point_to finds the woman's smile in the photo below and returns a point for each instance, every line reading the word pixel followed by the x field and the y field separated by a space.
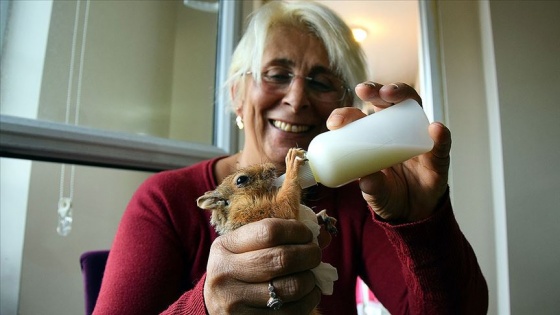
pixel 288 127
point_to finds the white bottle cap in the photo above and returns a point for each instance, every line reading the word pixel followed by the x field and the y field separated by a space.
pixel 306 178
pixel 279 180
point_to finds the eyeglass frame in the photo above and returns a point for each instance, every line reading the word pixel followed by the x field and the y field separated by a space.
pixel 345 89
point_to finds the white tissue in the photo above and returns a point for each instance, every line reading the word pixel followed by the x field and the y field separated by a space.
pixel 325 274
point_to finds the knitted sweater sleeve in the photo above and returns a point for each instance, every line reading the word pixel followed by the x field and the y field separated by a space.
pixel 190 303
pixel 158 258
pixel 438 264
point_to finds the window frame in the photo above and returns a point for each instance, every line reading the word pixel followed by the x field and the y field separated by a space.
pixel 33 139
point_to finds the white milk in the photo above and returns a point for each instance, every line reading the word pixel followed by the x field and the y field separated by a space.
pixel 367 145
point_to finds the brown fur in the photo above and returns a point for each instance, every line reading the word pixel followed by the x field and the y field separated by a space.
pixel 250 195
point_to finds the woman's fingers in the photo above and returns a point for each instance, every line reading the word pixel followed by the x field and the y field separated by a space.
pixel 261 265
pixel 442 140
pixel 382 96
pixel 303 305
pixel 263 250
pixel 370 92
pixel 343 116
pixel 265 234
pixel 289 289
pixel 277 249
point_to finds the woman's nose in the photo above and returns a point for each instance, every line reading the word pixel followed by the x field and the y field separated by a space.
pixel 296 95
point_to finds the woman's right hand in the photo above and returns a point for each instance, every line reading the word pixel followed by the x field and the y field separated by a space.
pixel 408 191
pixel 243 262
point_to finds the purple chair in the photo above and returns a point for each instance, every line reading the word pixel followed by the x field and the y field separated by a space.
pixel 93 267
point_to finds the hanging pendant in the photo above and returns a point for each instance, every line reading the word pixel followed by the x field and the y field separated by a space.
pixel 64 216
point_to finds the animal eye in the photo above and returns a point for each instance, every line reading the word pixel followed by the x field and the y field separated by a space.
pixel 242 180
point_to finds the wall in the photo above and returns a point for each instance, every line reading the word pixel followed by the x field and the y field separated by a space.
pixel 466 117
pixel 501 70
pixel 527 49
pixel 51 280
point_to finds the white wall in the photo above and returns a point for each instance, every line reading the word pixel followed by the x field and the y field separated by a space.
pixel 527 49
pixel 465 115
pixel 502 72
pixel 51 280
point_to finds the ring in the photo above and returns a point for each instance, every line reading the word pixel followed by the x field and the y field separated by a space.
pixel 274 302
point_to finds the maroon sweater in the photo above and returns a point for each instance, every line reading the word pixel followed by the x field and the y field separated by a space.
pixel 158 259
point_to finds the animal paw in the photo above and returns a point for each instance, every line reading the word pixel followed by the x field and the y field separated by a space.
pixel 294 159
pixel 327 221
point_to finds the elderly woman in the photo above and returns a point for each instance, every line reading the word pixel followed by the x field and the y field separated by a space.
pixel 292 78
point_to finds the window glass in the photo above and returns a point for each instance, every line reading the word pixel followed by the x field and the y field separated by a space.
pixel 140 67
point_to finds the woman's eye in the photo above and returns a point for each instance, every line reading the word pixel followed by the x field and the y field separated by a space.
pixel 278 76
pixel 241 180
pixel 321 84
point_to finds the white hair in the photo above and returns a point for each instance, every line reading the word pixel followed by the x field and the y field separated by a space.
pixel 346 57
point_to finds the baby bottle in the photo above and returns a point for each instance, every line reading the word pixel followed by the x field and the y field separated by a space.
pixel 367 145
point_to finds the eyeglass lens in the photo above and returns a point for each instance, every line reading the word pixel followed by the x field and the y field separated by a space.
pixel 321 86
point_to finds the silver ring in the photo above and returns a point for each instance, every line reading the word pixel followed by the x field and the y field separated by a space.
pixel 274 302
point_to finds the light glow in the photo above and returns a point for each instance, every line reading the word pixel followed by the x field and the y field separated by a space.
pixel 360 34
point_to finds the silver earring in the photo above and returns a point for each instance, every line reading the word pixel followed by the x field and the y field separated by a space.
pixel 239 122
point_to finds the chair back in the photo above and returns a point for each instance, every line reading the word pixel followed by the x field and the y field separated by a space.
pixel 93 267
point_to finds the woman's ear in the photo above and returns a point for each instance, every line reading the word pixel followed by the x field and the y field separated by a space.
pixel 233 91
pixel 237 101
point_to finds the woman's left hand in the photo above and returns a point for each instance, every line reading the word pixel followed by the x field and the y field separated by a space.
pixel 408 191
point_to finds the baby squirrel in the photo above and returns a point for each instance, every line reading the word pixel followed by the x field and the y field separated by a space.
pixel 250 194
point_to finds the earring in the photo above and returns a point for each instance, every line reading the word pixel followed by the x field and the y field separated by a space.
pixel 239 122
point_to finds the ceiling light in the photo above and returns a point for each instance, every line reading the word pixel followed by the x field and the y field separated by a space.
pixel 359 33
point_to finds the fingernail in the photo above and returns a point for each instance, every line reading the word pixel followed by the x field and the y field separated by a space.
pixel 335 121
pixel 395 86
pixel 370 84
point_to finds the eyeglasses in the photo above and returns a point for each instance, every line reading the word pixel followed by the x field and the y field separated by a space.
pixel 322 87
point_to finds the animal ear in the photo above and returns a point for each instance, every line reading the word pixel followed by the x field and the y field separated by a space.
pixel 210 200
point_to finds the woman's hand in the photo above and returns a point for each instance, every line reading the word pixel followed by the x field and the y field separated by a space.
pixel 244 261
pixel 411 190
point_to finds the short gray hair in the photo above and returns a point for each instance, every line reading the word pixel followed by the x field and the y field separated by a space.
pixel 346 57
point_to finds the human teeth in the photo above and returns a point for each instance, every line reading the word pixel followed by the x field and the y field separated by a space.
pixel 289 127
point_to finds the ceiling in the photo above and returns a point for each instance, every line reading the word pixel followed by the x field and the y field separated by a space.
pixel 393 31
